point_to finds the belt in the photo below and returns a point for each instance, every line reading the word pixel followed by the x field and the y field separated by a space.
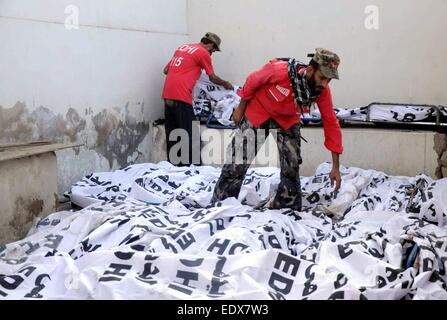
pixel 170 102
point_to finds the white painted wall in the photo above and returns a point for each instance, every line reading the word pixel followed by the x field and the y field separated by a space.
pixel 403 61
pixel 398 153
pixel 114 59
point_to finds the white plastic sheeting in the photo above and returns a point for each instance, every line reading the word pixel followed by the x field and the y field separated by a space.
pixel 393 113
pixel 120 246
pixel 209 98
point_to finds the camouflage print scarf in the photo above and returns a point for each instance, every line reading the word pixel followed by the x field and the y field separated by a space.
pixel 301 91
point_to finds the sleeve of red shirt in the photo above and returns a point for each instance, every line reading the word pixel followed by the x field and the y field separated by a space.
pixel 331 126
pixel 256 80
pixel 205 63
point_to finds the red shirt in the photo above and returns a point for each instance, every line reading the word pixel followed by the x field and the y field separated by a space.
pixel 269 94
pixel 184 70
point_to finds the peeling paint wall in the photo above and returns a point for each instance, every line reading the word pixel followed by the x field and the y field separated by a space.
pixel 22 198
pixel 114 135
pixel 98 85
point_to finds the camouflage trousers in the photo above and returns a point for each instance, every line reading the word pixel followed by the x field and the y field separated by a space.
pixel 288 194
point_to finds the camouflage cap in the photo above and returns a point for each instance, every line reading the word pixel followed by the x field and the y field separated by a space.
pixel 214 38
pixel 328 62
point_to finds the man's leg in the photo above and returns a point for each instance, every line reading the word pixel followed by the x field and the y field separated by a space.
pixel 288 194
pixel 195 151
pixel 170 124
pixel 180 115
pixel 185 118
pixel 241 153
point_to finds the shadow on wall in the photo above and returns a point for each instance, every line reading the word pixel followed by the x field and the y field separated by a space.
pixel 440 148
pixel 113 133
pixel 26 211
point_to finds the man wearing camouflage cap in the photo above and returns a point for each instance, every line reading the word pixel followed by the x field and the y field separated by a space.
pixel 182 73
pixel 273 98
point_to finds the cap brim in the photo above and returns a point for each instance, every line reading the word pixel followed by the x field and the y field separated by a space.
pixel 328 73
pixel 214 43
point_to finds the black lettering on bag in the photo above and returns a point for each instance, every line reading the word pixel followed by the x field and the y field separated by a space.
pixel 280 283
pixel 53 241
pixel 288 262
pixel 219 225
pixel 149 270
pixel 237 246
pixel 168 245
pixel 115 272
pixel 13 282
pixel 274 242
pixel 186 240
pixel 427 265
pixel 341 281
pixel 124 255
pixel 35 292
pixel 221 247
pixel 184 286
pixel 276 295
pixel 158 223
pixel 218 278
pixel 337 295
pixel 344 251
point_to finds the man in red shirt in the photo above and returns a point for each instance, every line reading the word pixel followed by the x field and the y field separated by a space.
pixel 273 99
pixel 182 73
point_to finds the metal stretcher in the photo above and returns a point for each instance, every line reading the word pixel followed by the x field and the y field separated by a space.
pixel 211 121
pixel 437 119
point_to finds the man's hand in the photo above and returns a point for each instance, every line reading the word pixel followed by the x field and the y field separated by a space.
pixel 215 79
pixel 335 177
pixel 228 86
pixel 335 173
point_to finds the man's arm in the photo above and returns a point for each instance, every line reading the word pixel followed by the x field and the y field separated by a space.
pixel 239 112
pixel 253 82
pixel 332 134
pixel 166 68
pixel 205 63
pixel 215 79
pixel 331 125
pixel 335 172
pixel 257 79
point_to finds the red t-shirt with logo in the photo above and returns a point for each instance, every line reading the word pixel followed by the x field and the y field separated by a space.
pixel 269 94
pixel 184 70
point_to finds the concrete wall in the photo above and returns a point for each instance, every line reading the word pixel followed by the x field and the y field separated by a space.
pixel 399 153
pixel 22 197
pixel 440 146
pixel 98 85
pixel 403 61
